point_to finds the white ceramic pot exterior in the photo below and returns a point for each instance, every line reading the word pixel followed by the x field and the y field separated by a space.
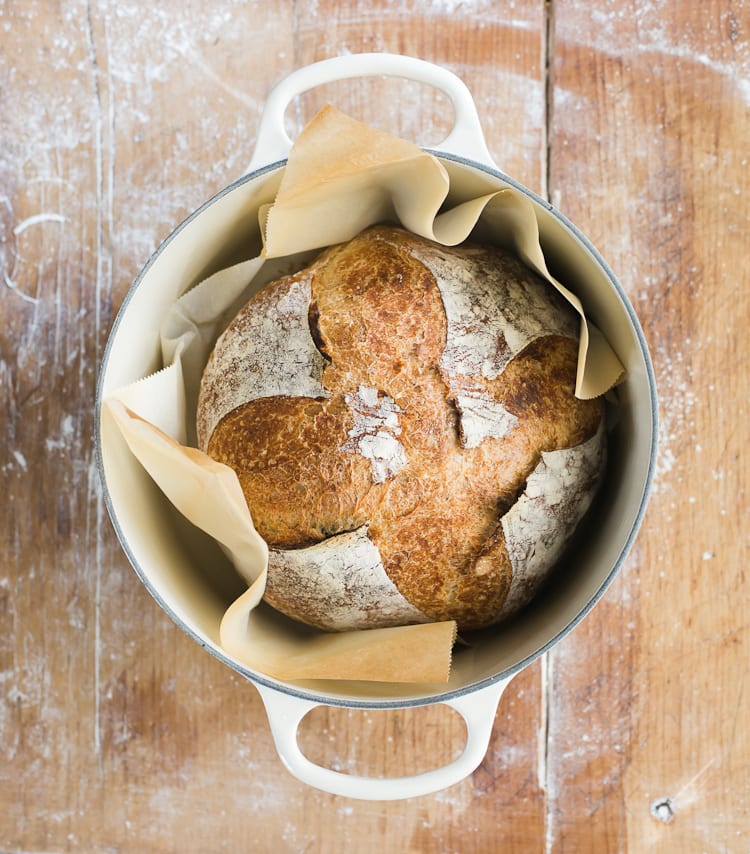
pixel 167 559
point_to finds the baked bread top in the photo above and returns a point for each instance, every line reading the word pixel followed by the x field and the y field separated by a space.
pixel 402 419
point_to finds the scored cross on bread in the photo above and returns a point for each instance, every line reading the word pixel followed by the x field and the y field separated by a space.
pixel 402 419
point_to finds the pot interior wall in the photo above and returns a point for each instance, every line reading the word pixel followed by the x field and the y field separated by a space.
pixel 188 574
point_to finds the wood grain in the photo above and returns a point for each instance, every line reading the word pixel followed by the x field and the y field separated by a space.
pixel 648 155
pixel 117 732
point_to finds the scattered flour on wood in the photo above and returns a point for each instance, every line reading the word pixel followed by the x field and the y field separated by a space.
pixel 657 33
pixel 677 416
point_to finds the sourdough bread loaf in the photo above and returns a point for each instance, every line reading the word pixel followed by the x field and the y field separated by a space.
pixel 402 419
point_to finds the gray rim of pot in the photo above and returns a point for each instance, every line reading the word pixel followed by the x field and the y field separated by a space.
pixel 373 703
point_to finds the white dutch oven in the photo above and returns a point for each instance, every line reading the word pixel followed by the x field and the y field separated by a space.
pixel 170 557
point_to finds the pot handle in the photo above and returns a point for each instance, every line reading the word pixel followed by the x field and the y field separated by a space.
pixel 286 711
pixel 465 138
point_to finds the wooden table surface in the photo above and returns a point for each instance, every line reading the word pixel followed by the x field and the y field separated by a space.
pixel 117 732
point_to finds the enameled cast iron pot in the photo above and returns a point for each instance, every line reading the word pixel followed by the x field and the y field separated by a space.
pixel 170 557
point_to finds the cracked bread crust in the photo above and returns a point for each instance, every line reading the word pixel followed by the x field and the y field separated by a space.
pixel 411 391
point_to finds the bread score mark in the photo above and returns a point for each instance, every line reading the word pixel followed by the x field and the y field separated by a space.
pixel 267 352
pixel 338 584
pixel 494 308
pixel 481 417
pixel 375 431
pixel 538 527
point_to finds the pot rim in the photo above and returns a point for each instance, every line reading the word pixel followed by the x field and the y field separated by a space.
pixel 314 696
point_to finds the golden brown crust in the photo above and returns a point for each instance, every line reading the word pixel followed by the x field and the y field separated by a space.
pixel 285 452
pixel 384 447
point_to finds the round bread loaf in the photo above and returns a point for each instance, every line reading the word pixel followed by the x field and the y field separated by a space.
pixel 402 419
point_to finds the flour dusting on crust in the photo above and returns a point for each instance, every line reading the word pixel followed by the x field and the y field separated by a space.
pixel 338 584
pixel 540 524
pixel 267 350
pixel 375 431
pixel 494 306
pixel 481 417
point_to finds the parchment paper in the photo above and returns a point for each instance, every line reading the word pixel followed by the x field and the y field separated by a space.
pixel 341 177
